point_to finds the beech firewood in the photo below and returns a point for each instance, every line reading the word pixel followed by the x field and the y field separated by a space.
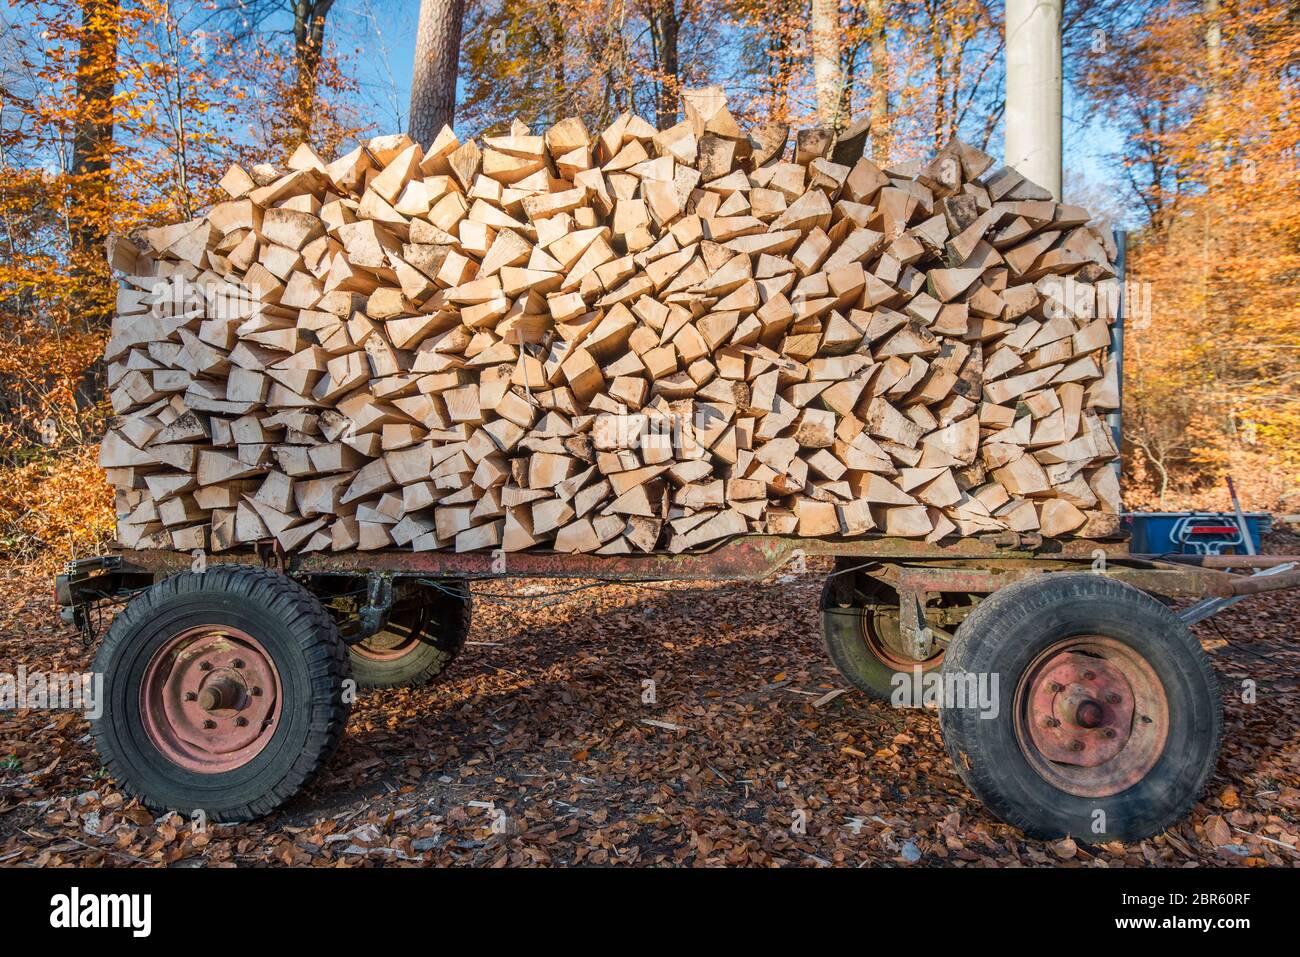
pixel 610 342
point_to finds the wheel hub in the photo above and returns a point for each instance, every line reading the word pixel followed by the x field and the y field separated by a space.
pixel 1091 716
pixel 1080 710
pixel 386 645
pixel 210 699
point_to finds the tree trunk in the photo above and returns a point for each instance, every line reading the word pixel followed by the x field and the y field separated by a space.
pixel 1033 91
pixel 664 27
pixel 92 144
pixel 777 73
pixel 879 103
pixel 827 77
pixel 939 59
pixel 1214 66
pixel 437 57
pixel 308 47
pixel 559 82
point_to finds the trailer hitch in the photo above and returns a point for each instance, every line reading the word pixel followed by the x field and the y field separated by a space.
pixel 86 581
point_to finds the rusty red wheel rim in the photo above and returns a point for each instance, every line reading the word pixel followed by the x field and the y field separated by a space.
pixel 399 639
pixel 210 699
pixel 1091 716
pixel 881 633
pixel 386 645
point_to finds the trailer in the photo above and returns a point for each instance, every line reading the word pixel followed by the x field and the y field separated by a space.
pixel 1072 698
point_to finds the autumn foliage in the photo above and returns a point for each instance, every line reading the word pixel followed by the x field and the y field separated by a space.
pixel 1206 95
pixel 116 115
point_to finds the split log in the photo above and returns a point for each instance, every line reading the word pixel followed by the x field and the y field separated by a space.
pixel 617 342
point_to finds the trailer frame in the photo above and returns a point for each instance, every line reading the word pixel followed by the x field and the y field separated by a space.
pixel 916 570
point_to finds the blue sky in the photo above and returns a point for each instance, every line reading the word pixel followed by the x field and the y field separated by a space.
pixel 380 34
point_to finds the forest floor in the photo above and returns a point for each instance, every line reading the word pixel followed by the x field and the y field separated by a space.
pixel 539 748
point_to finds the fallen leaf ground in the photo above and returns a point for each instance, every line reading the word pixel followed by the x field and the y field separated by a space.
pixel 540 748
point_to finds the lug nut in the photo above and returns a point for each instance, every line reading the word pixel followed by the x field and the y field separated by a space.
pixel 239 662
pixel 1054 687
pixel 190 696
pixel 241 721
pixel 205 666
pixel 1112 698
pixel 1088 676
pixel 1052 723
pixel 1108 733
pixel 209 724
pixel 255 691
pixel 1076 745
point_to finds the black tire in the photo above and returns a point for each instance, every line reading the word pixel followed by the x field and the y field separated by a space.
pixel 433 625
pixel 856 637
pixel 306 650
pixel 1012 631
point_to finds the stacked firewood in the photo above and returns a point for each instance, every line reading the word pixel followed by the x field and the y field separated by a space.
pixel 628 341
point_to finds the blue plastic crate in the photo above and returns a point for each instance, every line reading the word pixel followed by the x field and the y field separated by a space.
pixel 1183 533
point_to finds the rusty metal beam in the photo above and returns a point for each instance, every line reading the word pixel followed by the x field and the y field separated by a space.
pixel 975 565
pixel 1256 584
pixel 983 578
pixel 745 557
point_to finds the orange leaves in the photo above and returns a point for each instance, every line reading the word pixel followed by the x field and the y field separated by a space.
pixel 121 116
pixel 40 368
pixel 55 508
pixel 1210 124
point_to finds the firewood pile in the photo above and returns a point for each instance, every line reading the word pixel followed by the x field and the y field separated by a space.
pixel 613 342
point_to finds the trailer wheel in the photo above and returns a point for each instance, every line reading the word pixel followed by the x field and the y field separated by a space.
pixel 424 635
pixel 863 638
pixel 1100 715
pixel 223 693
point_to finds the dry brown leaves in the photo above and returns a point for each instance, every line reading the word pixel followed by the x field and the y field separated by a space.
pixel 545 746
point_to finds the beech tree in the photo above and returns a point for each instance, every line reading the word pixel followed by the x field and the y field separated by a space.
pixel 437 57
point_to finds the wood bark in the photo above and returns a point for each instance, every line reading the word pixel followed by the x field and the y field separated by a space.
pixel 92 143
pixel 309 17
pixel 828 77
pixel 437 58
